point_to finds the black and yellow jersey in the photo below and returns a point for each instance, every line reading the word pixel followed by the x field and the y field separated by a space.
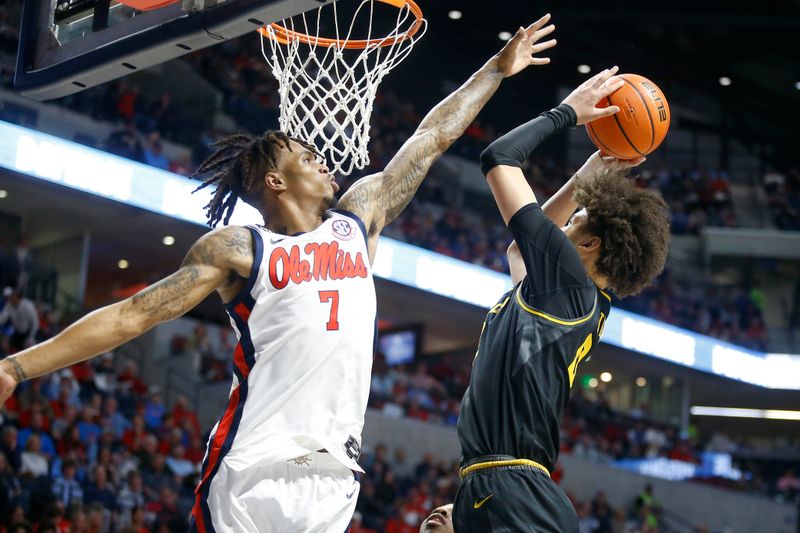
pixel 530 347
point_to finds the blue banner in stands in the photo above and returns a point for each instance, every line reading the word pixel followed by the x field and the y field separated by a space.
pixel 96 172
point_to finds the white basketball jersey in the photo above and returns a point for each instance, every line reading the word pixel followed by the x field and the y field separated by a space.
pixel 306 324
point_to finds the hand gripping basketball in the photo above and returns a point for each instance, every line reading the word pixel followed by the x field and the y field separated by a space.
pixel 600 162
pixel 584 99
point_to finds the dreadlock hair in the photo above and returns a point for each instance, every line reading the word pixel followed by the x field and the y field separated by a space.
pixel 633 226
pixel 236 168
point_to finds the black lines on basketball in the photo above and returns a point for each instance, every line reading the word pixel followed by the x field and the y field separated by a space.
pixel 600 144
pixel 129 66
pixel 649 116
pixel 621 129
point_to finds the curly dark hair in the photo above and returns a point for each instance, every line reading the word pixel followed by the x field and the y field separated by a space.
pixel 236 168
pixel 632 225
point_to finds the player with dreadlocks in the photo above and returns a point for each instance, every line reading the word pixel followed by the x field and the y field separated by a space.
pixel 300 295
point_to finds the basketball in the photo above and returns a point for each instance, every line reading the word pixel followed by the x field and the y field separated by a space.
pixel 641 124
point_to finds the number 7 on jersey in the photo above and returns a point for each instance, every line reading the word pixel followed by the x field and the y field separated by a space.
pixel 333 298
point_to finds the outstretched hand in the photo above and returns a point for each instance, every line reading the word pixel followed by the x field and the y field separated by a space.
pixel 519 52
pixel 584 99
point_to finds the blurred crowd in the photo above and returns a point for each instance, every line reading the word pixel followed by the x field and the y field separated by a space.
pixel 431 391
pixel 92 449
pixel 397 494
pixel 731 313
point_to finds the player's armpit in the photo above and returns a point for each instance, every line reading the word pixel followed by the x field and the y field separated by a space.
pixel 360 199
pixel 516 265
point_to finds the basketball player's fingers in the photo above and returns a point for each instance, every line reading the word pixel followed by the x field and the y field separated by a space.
pixel 605 75
pixel 600 78
pixel 600 112
pixel 630 163
pixel 609 88
pixel 543 46
pixel 535 36
pixel 538 24
pixel 593 81
pixel 540 60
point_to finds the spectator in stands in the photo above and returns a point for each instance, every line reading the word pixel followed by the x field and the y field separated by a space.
pixel 34 462
pixel 647 507
pixel 587 523
pixel 153 152
pixel 137 523
pixel 24 319
pixel 125 142
pixel 788 485
pixel 100 490
pixel 36 427
pixel 154 409
pixel 602 512
pixel 22 261
pixel 131 497
pixel 66 488
pixel 10 489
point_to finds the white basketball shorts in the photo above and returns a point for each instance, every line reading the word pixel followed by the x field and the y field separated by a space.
pixel 314 493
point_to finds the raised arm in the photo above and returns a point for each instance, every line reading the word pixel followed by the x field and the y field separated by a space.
pixel 209 265
pixel 501 162
pixel 378 199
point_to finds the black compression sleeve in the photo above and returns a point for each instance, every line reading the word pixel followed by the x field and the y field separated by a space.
pixel 514 147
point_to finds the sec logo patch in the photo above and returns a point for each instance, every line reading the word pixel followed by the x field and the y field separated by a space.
pixel 343 230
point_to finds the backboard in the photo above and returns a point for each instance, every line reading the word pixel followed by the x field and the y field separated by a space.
pixel 69 45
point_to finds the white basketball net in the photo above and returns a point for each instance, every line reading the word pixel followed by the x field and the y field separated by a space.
pixel 327 92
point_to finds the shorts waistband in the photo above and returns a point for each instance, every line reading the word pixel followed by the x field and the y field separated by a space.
pixel 499 462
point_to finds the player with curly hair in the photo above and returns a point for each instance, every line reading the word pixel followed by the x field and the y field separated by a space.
pixel 563 264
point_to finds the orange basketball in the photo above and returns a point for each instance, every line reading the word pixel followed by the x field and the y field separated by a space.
pixel 640 125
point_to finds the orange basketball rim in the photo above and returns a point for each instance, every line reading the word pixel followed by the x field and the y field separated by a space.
pixel 284 35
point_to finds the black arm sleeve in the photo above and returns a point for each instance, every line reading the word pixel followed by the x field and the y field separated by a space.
pixel 557 283
pixel 514 147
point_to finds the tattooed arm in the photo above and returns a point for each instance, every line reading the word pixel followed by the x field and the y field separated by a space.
pixel 212 263
pixel 378 199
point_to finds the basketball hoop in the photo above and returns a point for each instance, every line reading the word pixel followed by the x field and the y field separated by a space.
pixel 327 85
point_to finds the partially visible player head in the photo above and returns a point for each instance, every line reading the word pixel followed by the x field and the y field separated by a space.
pixel 265 171
pixel 622 232
pixel 439 521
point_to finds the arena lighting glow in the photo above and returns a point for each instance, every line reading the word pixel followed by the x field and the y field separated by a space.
pixel 455 14
pixel 3 193
pixel 737 412
pixel 724 81
pixel 647 337
pixel 123 264
pixel 168 240
pixel 593 382
pixel 92 171
pixel 606 377
pixel 504 35
pixel 641 382
pixel 797 85
pixel 584 69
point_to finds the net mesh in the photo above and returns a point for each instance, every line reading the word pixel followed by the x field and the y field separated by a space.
pixel 327 90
